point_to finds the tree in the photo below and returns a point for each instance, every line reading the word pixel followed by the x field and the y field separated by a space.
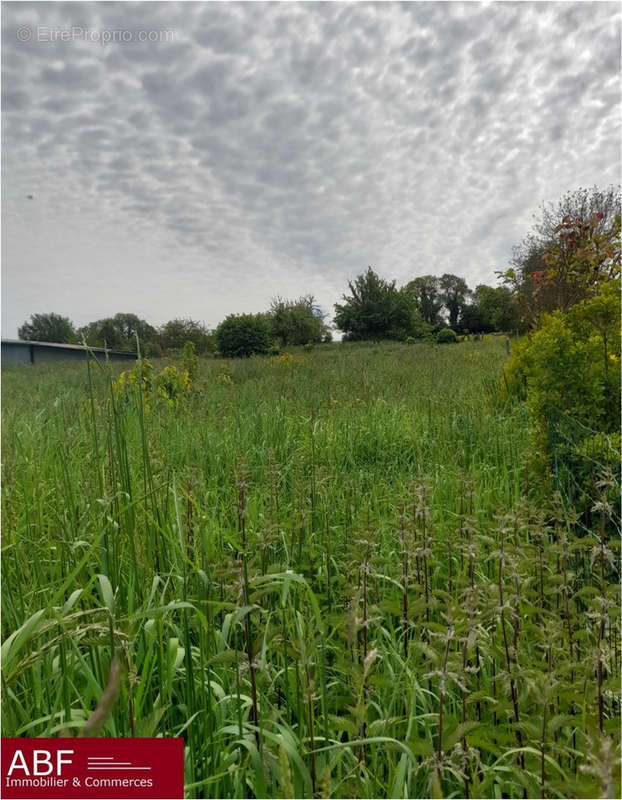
pixel 375 309
pixel 297 322
pixel 425 293
pixel 132 326
pixel 48 328
pixel 453 293
pixel 528 274
pixel 103 333
pixel 243 335
pixel 175 333
pixel 493 309
pixel 472 320
pixel 119 333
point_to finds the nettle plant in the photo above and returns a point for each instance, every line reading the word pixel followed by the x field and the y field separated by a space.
pixel 320 599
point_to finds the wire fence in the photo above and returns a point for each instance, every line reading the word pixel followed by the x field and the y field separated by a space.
pixel 582 457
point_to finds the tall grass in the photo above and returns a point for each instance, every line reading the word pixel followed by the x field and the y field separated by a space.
pixel 322 571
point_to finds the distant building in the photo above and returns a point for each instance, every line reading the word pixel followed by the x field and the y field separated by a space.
pixel 16 351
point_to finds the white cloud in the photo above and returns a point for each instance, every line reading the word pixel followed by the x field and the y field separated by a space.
pixel 272 148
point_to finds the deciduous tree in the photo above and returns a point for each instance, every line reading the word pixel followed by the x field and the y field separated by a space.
pixel 119 333
pixel 297 322
pixel 48 328
pixel 453 293
pixel 176 332
pixel 425 292
pixel 580 216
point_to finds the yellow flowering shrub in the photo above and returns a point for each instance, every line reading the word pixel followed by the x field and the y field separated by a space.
pixel 129 379
pixel 172 384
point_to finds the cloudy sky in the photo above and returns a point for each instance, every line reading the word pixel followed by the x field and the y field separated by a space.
pixel 197 159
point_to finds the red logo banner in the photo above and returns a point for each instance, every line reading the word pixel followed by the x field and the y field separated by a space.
pixel 97 768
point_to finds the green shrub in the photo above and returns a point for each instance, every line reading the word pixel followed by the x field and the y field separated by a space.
pixel 243 335
pixel 571 364
pixel 446 336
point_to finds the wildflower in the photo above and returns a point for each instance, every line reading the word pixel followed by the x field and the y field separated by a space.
pixel 172 383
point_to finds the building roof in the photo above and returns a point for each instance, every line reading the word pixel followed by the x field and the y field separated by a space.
pixel 66 346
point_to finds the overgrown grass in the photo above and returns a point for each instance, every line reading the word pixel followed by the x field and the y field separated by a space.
pixel 322 571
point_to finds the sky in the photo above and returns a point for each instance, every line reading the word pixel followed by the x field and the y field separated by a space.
pixel 198 159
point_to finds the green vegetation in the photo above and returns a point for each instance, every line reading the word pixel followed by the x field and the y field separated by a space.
pixel 175 333
pixel 446 336
pixel 243 335
pixel 47 328
pixel 120 333
pixel 582 228
pixel 297 322
pixel 327 570
pixel 571 364
pixel 375 309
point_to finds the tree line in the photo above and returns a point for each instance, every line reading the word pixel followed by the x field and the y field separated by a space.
pixel 374 309
pixel 427 307
pixel 287 322
pixel 120 332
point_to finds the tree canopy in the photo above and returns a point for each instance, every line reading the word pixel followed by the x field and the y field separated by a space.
pixel 453 292
pixel 119 333
pixel 425 292
pixel 493 308
pixel 581 219
pixel 48 328
pixel 375 309
pixel 175 333
pixel 296 322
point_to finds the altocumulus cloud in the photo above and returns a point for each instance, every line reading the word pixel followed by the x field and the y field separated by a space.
pixel 246 150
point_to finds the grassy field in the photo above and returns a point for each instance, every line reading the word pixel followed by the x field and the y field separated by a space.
pixel 325 570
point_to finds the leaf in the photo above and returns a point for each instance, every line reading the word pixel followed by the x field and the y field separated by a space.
pixel 71 601
pixel 106 592
pixel 12 646
pixel 147 726
pixel 421 747
pixel 460 732
pixel 398 788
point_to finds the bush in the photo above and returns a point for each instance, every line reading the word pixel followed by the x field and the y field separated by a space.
pixel 571 364
pixel 243 335
pixel 446 336
pixel 296 322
